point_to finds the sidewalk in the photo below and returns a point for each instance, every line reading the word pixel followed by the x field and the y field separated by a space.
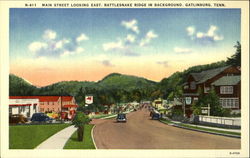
pixel 215 128
pixel 58 140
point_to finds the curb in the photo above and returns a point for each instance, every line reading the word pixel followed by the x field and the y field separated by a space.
pixel 203 131
pixel 92 136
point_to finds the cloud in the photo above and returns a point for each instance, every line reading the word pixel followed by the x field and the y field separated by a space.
pixel 49 46
pixel 81 38
pixel 130 38
pixel 127 46
pixel 182 50
pixel 60 44
pixel 107 63
pixel 67 53
pixel 79 50
pixel 118 45
pixel 49 35
pixel 190 30
pixel 131 25
pixel 147 39
pixel 205 37
pixel 164 63
pixel 37 46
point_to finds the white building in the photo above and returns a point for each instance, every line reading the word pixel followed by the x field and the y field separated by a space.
pixel 23 106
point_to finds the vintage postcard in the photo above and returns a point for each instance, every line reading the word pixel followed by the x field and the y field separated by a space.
pixel 124 78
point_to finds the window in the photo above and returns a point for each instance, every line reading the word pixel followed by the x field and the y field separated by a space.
pixel 226 90
pixel 192 85
pixel 206 89
pixel 229 102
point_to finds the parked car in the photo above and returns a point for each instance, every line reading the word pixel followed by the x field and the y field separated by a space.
pixel 155 116
pixel 17 118
pixel 41 118
pixel 121 118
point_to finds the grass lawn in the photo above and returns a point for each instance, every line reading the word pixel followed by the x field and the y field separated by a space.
pixel 166 121
pixel 87 142
pixel 30 136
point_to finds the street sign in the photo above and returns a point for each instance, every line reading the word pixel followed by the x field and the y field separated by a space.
pixel 188 100
pixel 89 99
pixel 204 111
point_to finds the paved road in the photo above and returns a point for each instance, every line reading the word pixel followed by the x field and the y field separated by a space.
pixel 140 132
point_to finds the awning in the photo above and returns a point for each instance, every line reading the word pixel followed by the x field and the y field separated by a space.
pixel 70 106
pixel 20 105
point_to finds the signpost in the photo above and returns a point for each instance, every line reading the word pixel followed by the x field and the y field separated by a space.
pixel 187 101
pixel 206 110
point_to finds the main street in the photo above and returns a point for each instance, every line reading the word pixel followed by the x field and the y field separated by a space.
pixel 140 132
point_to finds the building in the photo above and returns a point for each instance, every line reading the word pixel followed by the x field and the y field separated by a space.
pixel 52 103
pixel 226 82
pixel 25 107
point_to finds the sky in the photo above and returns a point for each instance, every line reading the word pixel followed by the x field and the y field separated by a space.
pixel 86 44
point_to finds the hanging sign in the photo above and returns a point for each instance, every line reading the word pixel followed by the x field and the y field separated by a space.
pixel 89 99
pixel 188 100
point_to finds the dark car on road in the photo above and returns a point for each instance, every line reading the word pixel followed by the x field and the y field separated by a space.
pixel 155 116
pixel 41 118
pixel 17 118
pixel 121 118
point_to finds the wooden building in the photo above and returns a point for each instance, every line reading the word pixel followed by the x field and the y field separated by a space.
pixel 225 80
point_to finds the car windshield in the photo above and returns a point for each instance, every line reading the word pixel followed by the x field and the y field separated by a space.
pixel 120 116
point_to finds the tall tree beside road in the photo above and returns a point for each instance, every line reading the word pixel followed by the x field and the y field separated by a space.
pixel 79 121
pixel 235 59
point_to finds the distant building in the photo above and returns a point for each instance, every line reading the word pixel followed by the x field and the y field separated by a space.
pixel 226 82
pixel 25 107
pixel 51 103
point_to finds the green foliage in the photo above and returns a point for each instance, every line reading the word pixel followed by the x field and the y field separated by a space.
pixel 80 119
pixel 30 136
pixel 19 86
pixel 177 112
pixel 213 100
pixel 72 143
pixel 235 59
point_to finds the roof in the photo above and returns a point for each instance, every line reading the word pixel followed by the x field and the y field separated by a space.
pixel 227 80
pixel 208 74
pixel 44 98
pixel 70 106
pixel 19 104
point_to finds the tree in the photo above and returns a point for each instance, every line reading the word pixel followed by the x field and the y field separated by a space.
pixel 235 59
pixel 79 121
pixel 213 100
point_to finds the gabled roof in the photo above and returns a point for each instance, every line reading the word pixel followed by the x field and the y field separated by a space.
pixel 208 74
pixel 227 81
pixel 44 98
